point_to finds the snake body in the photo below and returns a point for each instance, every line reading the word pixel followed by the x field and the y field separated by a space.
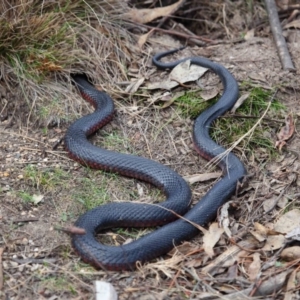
pixel 177 191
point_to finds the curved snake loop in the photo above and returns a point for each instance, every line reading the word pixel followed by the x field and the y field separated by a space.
pixel 176 189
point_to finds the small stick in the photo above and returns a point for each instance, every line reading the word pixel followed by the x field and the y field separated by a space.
pixel 25 220
pixel 71 230
pixel 1 270
pixel 280 42
pixel 193 36
pixel 185 30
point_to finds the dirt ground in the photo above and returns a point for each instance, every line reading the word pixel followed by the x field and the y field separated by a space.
pixel 41 188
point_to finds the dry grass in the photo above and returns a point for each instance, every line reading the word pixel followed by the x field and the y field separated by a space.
pixel 42 44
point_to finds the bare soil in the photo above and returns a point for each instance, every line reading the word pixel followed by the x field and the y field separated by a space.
pixel 38 261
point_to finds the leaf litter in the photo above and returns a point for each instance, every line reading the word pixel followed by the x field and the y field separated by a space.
pixel 239 267
pixel 182 73
pixel 285 132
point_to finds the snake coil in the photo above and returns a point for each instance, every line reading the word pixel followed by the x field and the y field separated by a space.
pixel 177 191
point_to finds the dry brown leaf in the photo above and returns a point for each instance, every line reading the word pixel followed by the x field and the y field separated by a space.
pixel 249 34
pixel 239 102
pixel 291 286
pixel 183 72
pixel 134 86
pixel 272 284
pixel 147 15
pixel 254 267
pixel 230 256
pixel 258 77
pixel 211 237
pixel 167 96
pixel 165 266
pixel 274 242
pixel 194 263
pixel 270 203
pixel 286 132
pixel 143 39
pixel 260 232
pixel 258 236
pixel 168 103
pixel 261 229
pixel 283 4
pixel 293 24
pixel 232 271
pixel 209 94
pixel 185 249
pixel 288 221
pixel 290 253
pixel 294 234
pixel 202 177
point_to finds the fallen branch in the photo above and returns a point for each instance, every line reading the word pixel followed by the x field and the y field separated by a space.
pixel 190 37
pixel 280 42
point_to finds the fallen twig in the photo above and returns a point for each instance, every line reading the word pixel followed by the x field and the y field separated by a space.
pixel 280 42
pixel 23 220
pixel 191 37
pixel 1 271
pixel 177 33
pixel 187 31
pixel 71 230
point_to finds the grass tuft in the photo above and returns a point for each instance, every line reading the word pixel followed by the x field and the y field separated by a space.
pixel 44 180
pixel 226 130
pixel 41 43
pixel 191 104
pixel 93 193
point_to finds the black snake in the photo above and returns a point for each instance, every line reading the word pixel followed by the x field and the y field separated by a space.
pixel 176 189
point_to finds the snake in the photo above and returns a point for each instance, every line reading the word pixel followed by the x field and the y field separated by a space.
pixel 176 221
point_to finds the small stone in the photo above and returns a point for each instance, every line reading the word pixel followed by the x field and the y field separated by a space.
pixel 105 291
